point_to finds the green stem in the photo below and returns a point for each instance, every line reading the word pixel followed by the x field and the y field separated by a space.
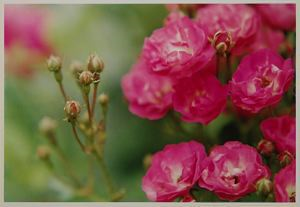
pixel 62 90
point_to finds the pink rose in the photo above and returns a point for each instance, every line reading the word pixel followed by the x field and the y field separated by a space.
pixel 149 95
pixel 279 16
pixel 25 41
pixel 173 17
pixel 267 37
pixel 240 21
pixel 260 80
pixel 281 131
pixel 232 170
pixel 179 49
pixel 173 171
pixel 285 184
pixel 200 98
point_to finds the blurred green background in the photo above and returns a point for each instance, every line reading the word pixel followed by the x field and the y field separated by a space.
pixel 116 33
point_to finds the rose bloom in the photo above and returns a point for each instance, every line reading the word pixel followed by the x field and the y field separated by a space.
pixel 149 95
pixel 279 16
pixel 173 171
pixel 232 170
pixel 285 184
pixel 25 41
pixel 281 131
pixel 200 98
pixel 241 21
pixel 179 49
pixel 260 80
pixel 267 37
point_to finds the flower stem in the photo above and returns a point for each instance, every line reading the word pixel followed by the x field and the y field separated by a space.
pixel 77 137
pixel 62 90
pixel 105 175
pixel 94 97
pixel 87 102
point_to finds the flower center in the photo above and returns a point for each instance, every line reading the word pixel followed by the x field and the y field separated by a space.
pixel 265 82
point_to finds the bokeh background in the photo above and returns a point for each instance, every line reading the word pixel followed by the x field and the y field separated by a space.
pixel 116 33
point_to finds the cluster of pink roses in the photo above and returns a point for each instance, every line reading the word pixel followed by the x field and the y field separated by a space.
pixel 179 69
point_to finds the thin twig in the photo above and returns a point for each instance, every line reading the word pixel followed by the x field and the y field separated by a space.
pixel 62 90
pixel 94 98
pixel 77 137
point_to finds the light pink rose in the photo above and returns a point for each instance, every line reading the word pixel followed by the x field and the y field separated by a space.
pixel 260 80
pixel 200 98
pixel 25 40
pixel 285 184
pixel 179 49
pixel 281 131
pixel 279 16
pixel 149 95
pixel 173 171
pixel 241 21
pixel 232 170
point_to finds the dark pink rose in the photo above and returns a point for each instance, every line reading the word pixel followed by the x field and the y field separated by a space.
pixel 173 171
pixel 232 170
pixel 260 80
pixel 240 21
pixel 267 37
pixel 281 131
pixel 149 95
pixel 200 98
pixel 285 184
pixel 179 49
pixel 279 16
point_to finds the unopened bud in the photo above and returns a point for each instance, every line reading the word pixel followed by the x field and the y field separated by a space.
pixel 147 161
pixel 77 68
pixel 222 42
pixel 47 125
pixel 103 99
pixel 264 186
pixel 285 158
pixel 43 152
pixel 95 63
pixel 54 63
pixel 265 147
pixel 72 109
pixel 86 78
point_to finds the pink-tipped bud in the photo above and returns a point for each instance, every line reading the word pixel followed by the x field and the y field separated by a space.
pixel 43 152
pixel 285 158
pixel 188 198
pixel 264 186
pixel 86 78
pixel 222 42
pixel 72 109
pixel 265 147
pixel 54 63
pixel 95 63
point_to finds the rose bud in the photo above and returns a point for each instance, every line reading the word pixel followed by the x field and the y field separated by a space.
pixel 43 152
pixel 265 147
pixel 188 198
pixel 264 186
pixel 285 184
pixel 95 63
pixel 222 42
pixel 54 63
pixel 72 109
pixel 86 78
pixel 47 125
pixel 103 99
pixel 77 68
pixel 285 158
